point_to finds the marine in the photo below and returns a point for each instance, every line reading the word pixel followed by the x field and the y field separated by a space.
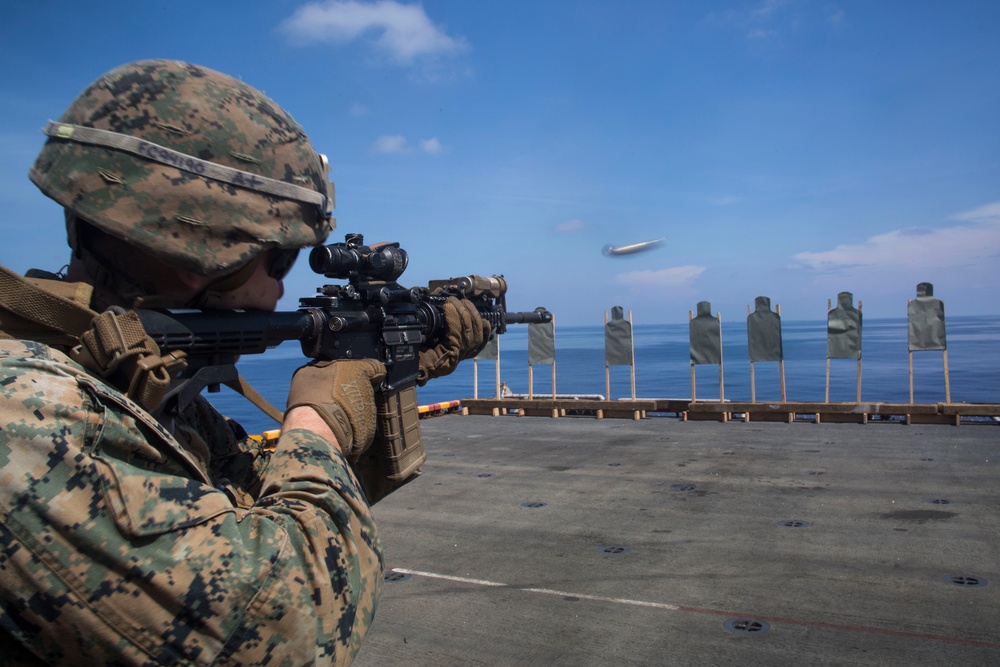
pixel 132 535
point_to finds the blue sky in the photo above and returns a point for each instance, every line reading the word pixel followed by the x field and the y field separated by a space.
pixel 786 148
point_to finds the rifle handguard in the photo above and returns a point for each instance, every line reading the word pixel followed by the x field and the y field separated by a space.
pixel 466 332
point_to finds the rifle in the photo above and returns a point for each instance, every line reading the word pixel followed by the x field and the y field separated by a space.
pixel 370 317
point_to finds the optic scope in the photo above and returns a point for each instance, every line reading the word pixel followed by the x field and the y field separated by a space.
pixel 352 260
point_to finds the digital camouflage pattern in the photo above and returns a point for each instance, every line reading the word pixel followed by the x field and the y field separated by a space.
pixel 189 221
pixel 122 544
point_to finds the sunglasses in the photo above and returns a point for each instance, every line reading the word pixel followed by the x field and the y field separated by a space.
pixel 280 262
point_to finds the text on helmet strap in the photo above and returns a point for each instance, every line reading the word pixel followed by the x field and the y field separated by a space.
pixel 189 163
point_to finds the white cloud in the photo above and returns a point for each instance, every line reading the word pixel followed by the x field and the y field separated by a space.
pixel 677 277
pixel 768 8
pixel 974 241
pixel 398 144
pixel 765 22
pixel 402 32
pixel 986 213
pixel 358 110
pixel 431 146
pixel 391 143
pixel 571 226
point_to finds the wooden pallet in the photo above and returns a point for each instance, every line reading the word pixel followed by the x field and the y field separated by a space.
pixel 852 413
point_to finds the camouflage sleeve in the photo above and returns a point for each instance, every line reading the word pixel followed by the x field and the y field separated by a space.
pixel 310 491
pixel 235 461
pixel 115 548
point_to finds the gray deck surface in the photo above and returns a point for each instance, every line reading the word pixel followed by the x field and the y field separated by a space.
pixel 656 533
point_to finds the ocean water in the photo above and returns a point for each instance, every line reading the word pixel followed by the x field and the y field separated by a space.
pixel 663 369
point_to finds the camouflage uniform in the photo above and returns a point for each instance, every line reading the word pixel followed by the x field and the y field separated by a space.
pixel 121 545
pixel 123 542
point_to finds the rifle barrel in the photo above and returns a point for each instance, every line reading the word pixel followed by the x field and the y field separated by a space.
pixel 528 317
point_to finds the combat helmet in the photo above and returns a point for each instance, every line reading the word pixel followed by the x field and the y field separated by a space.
pixel 187 164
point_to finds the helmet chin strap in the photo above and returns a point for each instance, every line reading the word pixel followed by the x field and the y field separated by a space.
pixel 127 291
pixel 211 296
pixel 135 295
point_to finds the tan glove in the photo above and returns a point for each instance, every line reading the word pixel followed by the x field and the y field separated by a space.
pixel 343 393
pixel 466 333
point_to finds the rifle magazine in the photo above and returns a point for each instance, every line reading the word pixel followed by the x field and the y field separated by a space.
pixel 399 433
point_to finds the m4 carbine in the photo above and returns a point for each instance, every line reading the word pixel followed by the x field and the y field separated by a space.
pixel 370 317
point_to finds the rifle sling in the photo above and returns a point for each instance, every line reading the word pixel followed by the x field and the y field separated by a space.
pixel 42 307
pixel 113 345
pixel 244 389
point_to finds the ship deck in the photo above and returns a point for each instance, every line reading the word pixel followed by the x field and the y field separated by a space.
pixel 664 541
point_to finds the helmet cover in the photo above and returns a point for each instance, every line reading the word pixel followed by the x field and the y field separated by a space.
pixel 181 182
